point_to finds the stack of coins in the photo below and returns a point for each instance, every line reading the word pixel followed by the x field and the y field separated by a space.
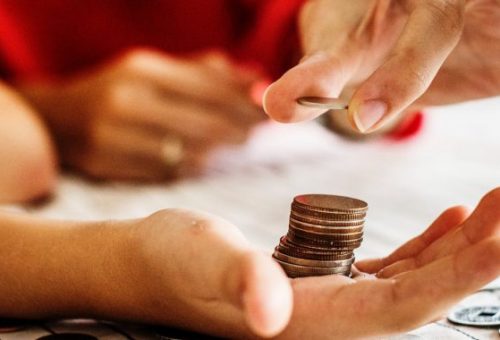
pixel 323 232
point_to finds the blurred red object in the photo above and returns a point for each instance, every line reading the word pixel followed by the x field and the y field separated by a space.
pixel 408 127
pixel 53 38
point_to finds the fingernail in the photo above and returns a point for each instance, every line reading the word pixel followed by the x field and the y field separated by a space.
pixel 369 114
pixel 257 91
pixel 263 98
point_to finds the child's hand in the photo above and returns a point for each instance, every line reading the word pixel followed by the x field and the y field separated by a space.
pixel 197 271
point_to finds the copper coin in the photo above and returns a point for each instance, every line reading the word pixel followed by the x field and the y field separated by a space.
pixel 286 246
pixel 318 244
pixel 337 219
pixel 294 275
pixel 326 215
pixel 327 224
pixel 312 234
pixel 314 239
pixel 317 270
pixel 312 263
pixel 315 254
pixel 327 230
pixel 331 203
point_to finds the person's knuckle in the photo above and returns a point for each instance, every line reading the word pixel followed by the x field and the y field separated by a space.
pixel 115 97
pixel 193 222
pixel 448 14
pixel 418 76
pixel 137 58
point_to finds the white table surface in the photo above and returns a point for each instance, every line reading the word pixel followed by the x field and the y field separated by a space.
pixel 455 160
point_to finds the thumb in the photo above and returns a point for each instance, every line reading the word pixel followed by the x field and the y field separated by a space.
pixel 318 75
pixel 259 286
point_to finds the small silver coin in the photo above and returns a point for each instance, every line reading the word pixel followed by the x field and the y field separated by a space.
pixel 323 103
pixel 479 316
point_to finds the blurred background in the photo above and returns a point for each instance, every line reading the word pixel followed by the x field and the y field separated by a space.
pixel 454 160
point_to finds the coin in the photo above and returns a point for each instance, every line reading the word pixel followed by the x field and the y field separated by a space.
pixel 330 203
pixel 326 225
pixel 326 214
pixel 479 316
pixel 323 103
pixel 316 270
pixel 326 219
pixel 323 231
pixel 312 263
pixel 328 236
pixel 293 275
pixel 313 254
pixel 321 243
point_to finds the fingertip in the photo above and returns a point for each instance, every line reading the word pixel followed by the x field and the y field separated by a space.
pixel 485 219
pixel 281 105
pixel 277 105
pixel 456 214
pixel 492 198
pixel 370 266
pixel 369 115
pixel 258 92
pixel 319 75
pixel 265 100
pixel 267 298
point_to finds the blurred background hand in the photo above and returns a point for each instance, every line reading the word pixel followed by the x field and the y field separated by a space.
pixel 147 115
pixel 390 56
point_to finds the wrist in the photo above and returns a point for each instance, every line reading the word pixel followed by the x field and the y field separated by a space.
pixel 107 259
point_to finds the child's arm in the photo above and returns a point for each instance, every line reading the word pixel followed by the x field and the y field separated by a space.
pixel 178 268
pixel 27 157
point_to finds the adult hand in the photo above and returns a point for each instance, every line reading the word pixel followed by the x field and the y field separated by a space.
pixel 388 56
pixel 202 267
pixel 147 115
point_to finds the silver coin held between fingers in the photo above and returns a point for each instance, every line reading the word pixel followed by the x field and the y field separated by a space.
pixel 323 103
pixel 479 316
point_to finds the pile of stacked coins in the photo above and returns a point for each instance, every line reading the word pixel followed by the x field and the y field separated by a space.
pixel 323 232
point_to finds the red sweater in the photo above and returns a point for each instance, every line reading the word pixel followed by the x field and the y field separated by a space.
pixel 53 38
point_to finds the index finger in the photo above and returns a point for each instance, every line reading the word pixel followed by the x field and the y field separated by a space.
pixel 417 297
pixel 183 78
pixel 448 220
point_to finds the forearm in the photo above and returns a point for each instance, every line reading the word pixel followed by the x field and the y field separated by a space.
pixel 56 268
pixel 26 151
pixel 175 268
